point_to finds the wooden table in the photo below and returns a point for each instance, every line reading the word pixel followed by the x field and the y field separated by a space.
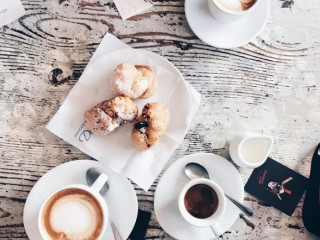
pixel 270 86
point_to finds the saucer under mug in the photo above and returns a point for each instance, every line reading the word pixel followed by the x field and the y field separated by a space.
pixel 221 34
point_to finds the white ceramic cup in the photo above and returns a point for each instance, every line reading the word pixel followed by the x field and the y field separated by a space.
pixel 213 220
pixel 250 149
pixel 93 190
pixel 226 15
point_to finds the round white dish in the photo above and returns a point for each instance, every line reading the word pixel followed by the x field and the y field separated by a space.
pixel 121 196
pixel 173 180
pixel 225 35
pixel 94 86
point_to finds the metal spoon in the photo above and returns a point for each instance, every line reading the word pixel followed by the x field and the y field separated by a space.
pixel 195 170
pixel 91 175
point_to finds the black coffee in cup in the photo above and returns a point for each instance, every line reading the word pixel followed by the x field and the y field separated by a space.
pixel 201 201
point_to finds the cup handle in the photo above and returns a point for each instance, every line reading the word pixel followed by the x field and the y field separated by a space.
pixel 216 229
pixel 99 182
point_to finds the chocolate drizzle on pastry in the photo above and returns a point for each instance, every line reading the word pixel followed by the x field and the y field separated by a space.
pixel 150 126
pixel 140 125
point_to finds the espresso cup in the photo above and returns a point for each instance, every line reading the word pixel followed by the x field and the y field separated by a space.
pixel 231 10
pixel 201 203
pixel 74 212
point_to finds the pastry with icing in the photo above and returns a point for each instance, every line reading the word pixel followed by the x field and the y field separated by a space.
pixel 108 115
pixel 134 81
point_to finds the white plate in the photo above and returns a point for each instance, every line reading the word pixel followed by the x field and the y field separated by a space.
pixel 166 196
pixel 94 86
pixel 121 196
pixel 225 35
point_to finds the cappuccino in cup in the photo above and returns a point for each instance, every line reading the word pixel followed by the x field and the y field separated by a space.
pixel 75 212
pixel 235 5
pixel 72 214
pixel 231 10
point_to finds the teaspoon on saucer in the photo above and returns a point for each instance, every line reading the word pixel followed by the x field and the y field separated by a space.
pixel 194 170
pixel 91 175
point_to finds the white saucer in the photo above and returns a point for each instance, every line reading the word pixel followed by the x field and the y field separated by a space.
pixel 166 196
pixel 121 196
pixel 225 35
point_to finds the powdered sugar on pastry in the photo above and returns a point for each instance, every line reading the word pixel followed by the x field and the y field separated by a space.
pixel 134 81
pixel 106 120
pixel 148 74
pixel 106 116
pixel 125 115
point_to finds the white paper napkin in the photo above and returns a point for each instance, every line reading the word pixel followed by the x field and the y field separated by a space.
pixel 116 149
pixel 10 10
pixel 129 8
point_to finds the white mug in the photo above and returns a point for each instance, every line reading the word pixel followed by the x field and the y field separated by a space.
pixel 223 14
pixel 250 149
pixel 211 221
pixel 93 190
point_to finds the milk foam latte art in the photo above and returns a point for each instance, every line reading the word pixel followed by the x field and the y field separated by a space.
pixel 75 212
pixel 72 214
pixel 235 5
pixel 231 10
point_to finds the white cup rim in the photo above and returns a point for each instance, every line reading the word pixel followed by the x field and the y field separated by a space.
pixel 214 218
pixel 86 188
pixel 234 12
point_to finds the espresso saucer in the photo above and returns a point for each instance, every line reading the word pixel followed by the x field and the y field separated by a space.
pixel 225 35
pixel 121 196
pixel 173 180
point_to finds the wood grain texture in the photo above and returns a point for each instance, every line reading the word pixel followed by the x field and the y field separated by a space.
pixel 270 85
